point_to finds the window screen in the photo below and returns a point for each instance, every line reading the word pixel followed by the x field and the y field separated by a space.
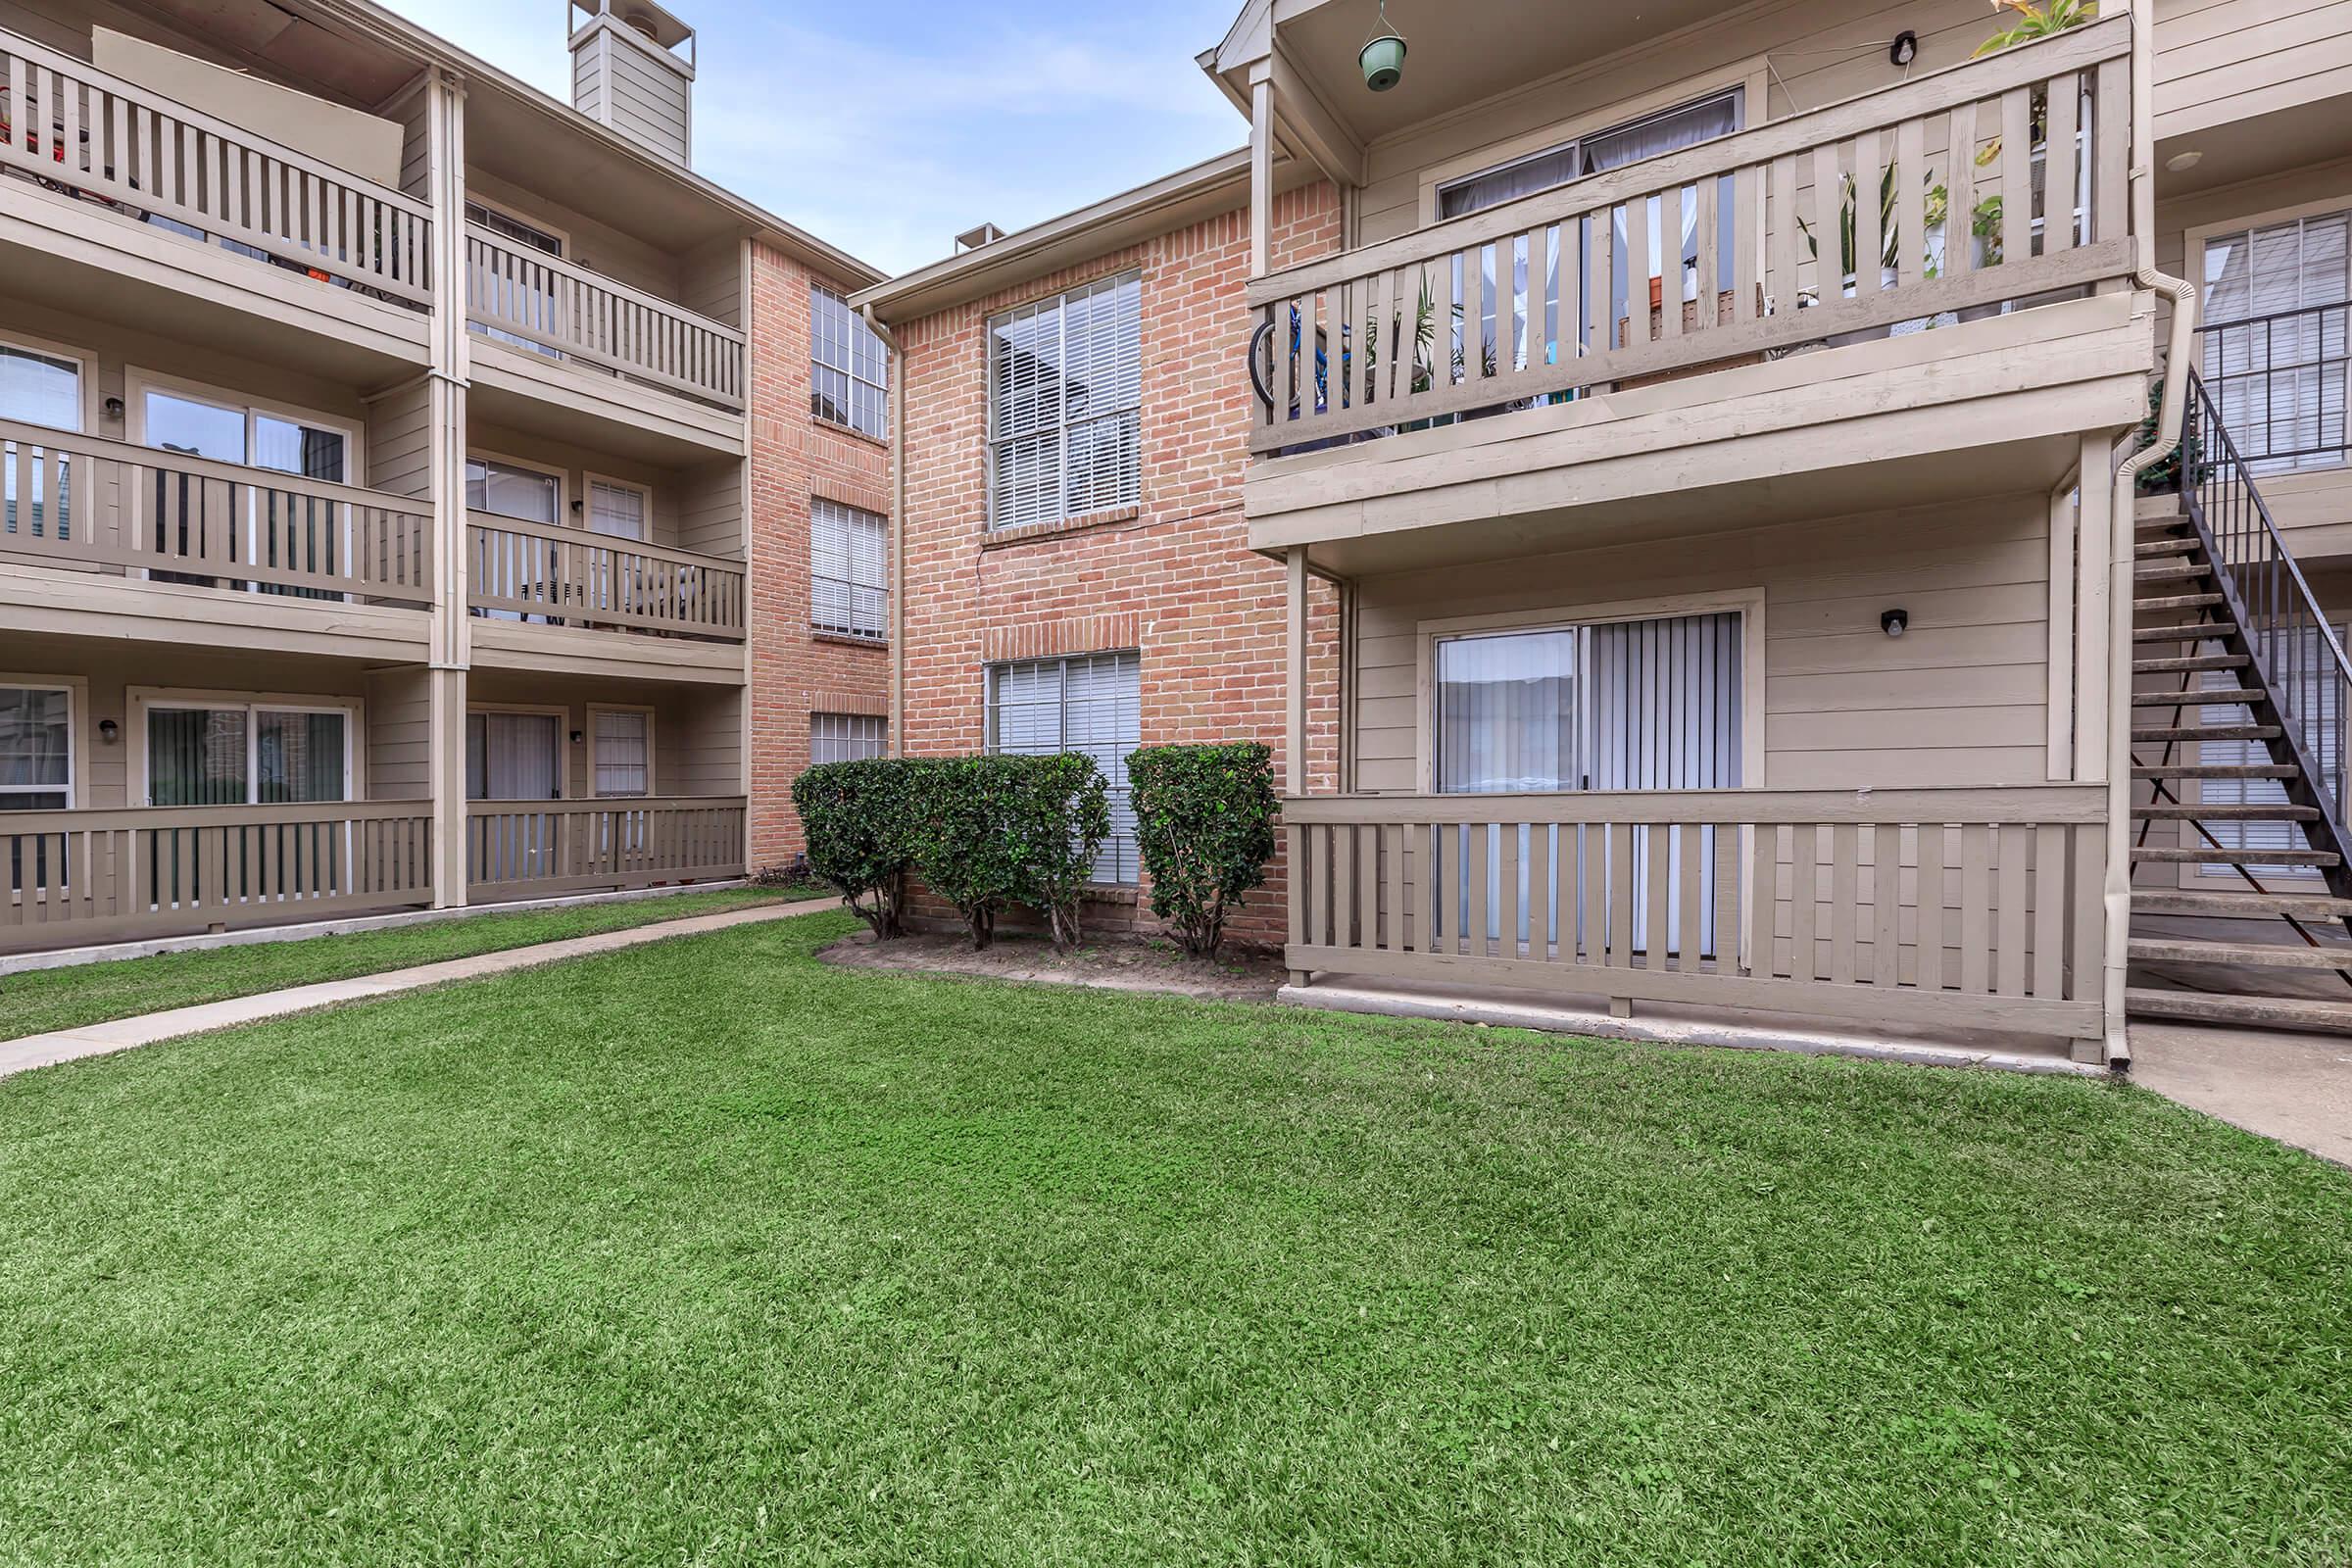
pixel 1092 704
pixel 846 737
pixel 1065 402
pixel 849 571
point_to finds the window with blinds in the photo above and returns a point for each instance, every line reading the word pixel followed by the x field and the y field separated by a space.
pixel 1066 380
pixel 624 752
pixel 36 748
pixel 238 755
pixel 846 737
pixel 850 380
pixel 2278 302
pixel 1094 704
pixel 849 571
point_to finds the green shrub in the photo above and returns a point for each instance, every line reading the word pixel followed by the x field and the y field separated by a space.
pixel 1204 821
pixel 1063 817
pixel 861 820
pixel 1004 830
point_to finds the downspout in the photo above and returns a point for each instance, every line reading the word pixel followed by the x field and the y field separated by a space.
pixel 897 531
pixel 2123 533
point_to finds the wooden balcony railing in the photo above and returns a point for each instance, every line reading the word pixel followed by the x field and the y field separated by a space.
pixel 73 498
pixel 82 133
pixel 528 848
pixel 1955 908
pixel 563 307
pixel 1990 183
pixel 590 579
pixel 69 878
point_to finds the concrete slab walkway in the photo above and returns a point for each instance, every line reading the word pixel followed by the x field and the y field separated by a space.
pixel 2296 1088
pixel 122 1034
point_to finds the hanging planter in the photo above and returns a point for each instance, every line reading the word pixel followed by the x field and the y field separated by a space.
pixel 1382 55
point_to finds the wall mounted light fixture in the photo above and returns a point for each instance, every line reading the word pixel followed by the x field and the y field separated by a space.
pixel 578 736
pixel 1905 47
pixel 112 408
pixel 108 730
pixel 1894 622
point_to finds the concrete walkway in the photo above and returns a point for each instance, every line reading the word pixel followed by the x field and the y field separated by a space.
pixel 103 1039
pixel 2296 1088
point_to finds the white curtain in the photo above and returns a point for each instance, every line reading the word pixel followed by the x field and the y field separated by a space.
pixel 513 757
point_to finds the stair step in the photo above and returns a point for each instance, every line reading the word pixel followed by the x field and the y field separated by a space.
pixel 2156 526
pixel 2189 663
pixel 2263 955
pixel 2217 812
pixel 2187 631
pixel 2214 770
pixel 2179 601
pixel 2302 906
pixel 2171 571
pixel 2195 698
pixel 2206 732
pixel 2259 1012
pixel 2179 545
pixel 2151 507
pixel 2207 854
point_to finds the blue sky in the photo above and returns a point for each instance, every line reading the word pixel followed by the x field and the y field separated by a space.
pixel 889 125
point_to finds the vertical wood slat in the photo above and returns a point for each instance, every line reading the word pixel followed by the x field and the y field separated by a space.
pixel 2060 180
pixel 1540 861
pixel 1392 850
pixel 2011 914
pixel 2017 174
pixel 2111 145
pixel 1507 875
pixel 1621 896
pixel 1474 918
pixel 1960 190
pixel 1805 881
pixel 1690 854
pixel 1887 905
pixel 1928 900
pixel 2051 912
pixel 1764 901
pixel 2087 970
pixel 1976 927
pixel 1845 907
pixel 1656 936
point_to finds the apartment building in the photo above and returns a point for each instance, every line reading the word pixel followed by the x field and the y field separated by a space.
pixel 1678 552
pixel 420 491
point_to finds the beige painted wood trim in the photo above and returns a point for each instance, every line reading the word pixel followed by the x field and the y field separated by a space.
pixel 78 725
pixel 1749 602
pixel 1752 75
pixel 560 713
pixel 85 362
pixel 137 699
pixel 652 756
pixel 2064 521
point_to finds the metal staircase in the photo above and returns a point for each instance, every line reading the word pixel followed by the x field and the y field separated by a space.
pixel 2220 609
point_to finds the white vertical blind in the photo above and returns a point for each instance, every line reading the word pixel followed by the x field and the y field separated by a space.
pixel 849 570
pixel 1065 400
pixel 513 757
pixel 616 510
pixel 1093 704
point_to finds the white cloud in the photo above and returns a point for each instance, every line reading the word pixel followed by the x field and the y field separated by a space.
pixel 930 119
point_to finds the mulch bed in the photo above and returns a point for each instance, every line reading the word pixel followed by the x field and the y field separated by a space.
pixel 1113 963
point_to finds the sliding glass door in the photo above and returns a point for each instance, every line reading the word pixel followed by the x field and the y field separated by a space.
pixel 1632 705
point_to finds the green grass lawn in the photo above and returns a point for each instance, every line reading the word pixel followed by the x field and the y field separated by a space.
pixel 42 1000
pixel 703 1254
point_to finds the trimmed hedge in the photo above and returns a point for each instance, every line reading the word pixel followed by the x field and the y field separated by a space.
pixel 983 832
pixel 861 820
pixel 1204 822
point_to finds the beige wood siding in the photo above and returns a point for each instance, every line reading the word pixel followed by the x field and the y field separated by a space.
pixel 400 735
pixel 1960 700
pixel 709 509
pixel 2224 60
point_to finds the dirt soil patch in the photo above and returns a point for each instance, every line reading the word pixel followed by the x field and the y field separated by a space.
pixel 1116 964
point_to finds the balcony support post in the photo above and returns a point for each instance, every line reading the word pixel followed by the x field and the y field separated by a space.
pixel 1261 169
pixel 1294 741
pixel 451 634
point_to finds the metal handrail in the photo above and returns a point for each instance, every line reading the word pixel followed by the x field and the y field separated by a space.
pixel 2295 649
pixel 2217 339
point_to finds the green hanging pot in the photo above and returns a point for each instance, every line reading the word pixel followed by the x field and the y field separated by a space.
pixel 1383 60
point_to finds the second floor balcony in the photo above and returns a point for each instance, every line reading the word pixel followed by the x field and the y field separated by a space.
pixel 1886 254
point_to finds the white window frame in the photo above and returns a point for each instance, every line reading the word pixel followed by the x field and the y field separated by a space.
pixel 562 477
pixel 987 697
pixel 2277 474
pixel 85 375
pixel 137 383
pixel 589 480
pixel 143 700
pixel 595 741
pixel 857 325
pixel 858 514
pixel 78 703
pixel 514 214
pixel 819 717
pixel 1058 301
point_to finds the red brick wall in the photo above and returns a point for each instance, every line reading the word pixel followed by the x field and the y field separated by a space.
pixel 796 671
pixel 1173 577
